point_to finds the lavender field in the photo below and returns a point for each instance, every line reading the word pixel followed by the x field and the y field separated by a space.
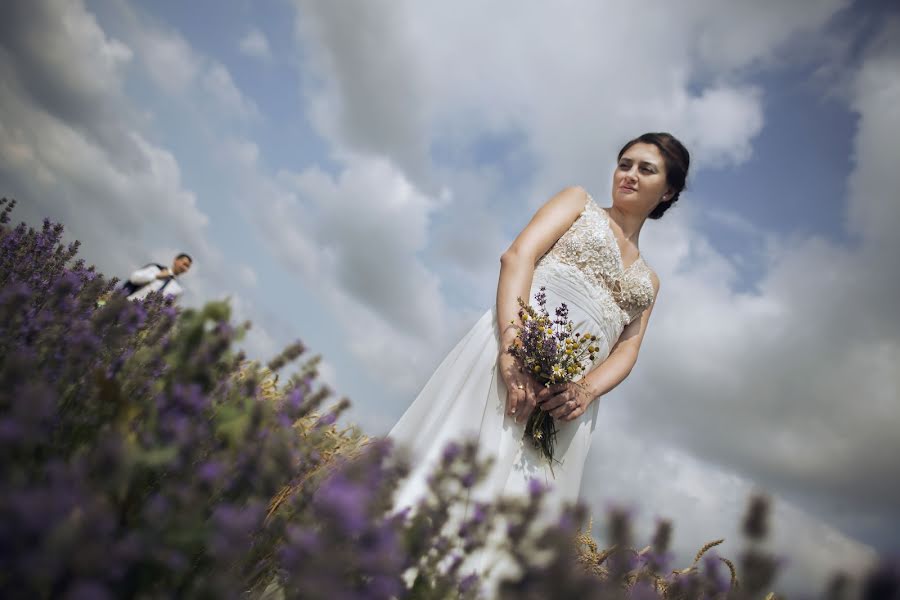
pixel 143 456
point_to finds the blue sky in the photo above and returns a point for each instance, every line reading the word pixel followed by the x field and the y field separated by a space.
pixel 349 173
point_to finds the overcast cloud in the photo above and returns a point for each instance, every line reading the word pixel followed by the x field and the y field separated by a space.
pixel 357 193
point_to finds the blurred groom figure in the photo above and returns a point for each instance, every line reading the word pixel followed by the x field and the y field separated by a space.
pixel 157 278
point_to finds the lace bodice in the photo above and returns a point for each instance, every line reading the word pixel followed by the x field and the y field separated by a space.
pixel 588 250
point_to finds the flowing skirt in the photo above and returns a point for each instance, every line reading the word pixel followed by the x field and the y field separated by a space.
pixel 465 398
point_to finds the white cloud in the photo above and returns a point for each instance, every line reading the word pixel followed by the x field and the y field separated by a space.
pixel 328 375
pixel 571 79
pixel 370 223
pixel 55 168
pixel 371 95
pixel 873 209
pixel 353 240
pixel 789 386
pixel 169 59
pixel 428 80
pixel 73 151
pixel 177 69
pixel 705 503
pixel 734 34
pixel 57 152
pixel 724 121
pixel 218 82
pixel 53 47
pixel 795 385
pixel 255 44
pixel 259 344
pixel 247 275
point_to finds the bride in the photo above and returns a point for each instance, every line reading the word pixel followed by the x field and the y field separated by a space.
pixel 588 257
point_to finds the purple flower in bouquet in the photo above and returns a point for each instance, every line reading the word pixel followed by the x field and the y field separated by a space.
pixel 551 352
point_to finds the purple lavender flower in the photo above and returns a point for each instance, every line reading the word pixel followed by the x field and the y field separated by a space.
pixel 88 590
pixel 468 583
pixel 345 502
pixel 451 452
pixel 140 456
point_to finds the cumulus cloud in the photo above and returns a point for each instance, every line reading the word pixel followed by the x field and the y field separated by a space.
pixel 790 386
pixel 170 61
pixel 873 211
pixel 734 34
pixel 353 239
pixel 443 82
pixel 428 82
pixel 247 275
pixel 73 142
pixel 764 385
pixel 218 82
pixel 793 385
pixel 71 149
pixel 705 502
pixel 571 79
pixel 255 44
pixel 177 69
pixel 43 62
pixel 369 90
pixel 369 224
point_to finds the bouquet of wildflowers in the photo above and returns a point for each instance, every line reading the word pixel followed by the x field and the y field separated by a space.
pixel 551 353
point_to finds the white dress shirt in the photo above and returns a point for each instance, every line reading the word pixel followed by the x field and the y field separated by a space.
pixel 147 276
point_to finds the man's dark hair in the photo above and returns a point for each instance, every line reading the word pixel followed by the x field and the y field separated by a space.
pixel 185 255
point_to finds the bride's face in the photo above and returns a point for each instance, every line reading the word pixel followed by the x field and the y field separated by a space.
pixel 640 178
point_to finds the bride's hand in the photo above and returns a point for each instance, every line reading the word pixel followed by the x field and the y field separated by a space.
pixel 522 388
pixel 565 401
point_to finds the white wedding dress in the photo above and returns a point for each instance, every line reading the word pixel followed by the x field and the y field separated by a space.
pixel 466 396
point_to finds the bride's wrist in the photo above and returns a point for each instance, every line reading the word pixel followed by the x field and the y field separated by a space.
pixel 509 358
pixel 511 363
pixel 509 333
pixel 587 389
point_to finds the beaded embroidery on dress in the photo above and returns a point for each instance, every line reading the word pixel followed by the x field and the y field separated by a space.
pixel 588 250
pixel 466 395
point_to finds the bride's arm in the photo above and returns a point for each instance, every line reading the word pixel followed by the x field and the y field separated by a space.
pixel 518 261
pixel 516 273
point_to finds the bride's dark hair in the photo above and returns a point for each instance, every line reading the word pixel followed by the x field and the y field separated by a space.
pixel 677 159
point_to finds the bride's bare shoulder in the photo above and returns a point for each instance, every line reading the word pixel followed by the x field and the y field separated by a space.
pixel 577 195
pixel 549 222
pixel 566 205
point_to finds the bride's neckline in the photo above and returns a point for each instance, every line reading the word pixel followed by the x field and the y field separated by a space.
pixel 615 241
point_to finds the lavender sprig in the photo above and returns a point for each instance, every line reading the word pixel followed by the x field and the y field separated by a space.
pixel 141 456
pixel 551 352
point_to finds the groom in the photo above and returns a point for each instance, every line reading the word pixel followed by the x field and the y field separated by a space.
pixel 157 278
